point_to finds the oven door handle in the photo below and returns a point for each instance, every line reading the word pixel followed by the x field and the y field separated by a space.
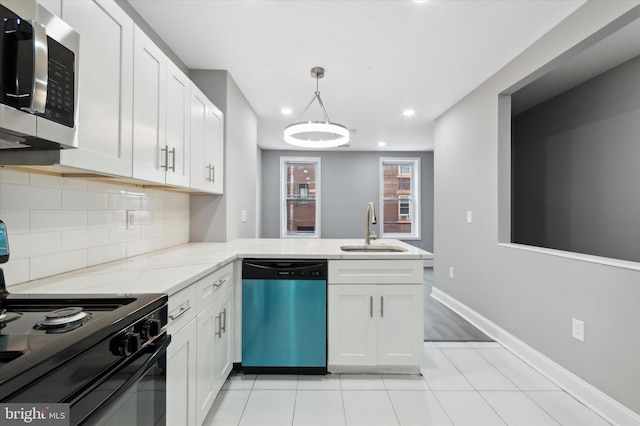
pixel 158 347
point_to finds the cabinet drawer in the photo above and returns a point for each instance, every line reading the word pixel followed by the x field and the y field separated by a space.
pixel 213 285
pixel 182 308
pixel 405 271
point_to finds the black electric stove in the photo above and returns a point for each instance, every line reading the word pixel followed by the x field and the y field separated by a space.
pixel 90 351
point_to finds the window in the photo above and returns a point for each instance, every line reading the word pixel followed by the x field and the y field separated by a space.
pixel 399 216
pixel 299 197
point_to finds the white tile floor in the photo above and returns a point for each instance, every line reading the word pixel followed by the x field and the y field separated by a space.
pixel 461 384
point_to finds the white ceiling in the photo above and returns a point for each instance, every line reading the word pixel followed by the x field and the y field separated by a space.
pixel 381 57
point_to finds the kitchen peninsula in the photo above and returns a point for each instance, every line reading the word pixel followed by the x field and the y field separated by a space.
pixel 374 307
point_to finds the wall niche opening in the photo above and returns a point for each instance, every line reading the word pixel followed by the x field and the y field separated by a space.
pixel 574 153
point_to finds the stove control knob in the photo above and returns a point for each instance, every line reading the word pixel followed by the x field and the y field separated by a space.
pixel 127 344
pixel 150 328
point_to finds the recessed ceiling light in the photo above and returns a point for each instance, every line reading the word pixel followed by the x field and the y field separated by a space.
pixel 286 111
pixel 382 143
pixel 408 113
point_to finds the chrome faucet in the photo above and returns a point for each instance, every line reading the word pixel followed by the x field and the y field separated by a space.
pixel 371 219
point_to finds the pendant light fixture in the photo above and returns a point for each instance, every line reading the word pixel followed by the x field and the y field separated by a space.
pixel 316 134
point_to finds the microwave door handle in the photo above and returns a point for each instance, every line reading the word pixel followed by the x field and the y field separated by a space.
pixel 40 68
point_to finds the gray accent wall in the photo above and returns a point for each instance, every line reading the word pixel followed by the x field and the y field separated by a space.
pixel 349 180
pixel 533 295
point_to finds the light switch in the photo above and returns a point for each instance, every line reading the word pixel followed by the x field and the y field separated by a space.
pixel 243 216
pixel 469 216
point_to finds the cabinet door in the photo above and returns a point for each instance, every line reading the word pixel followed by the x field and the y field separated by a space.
pixel 105 101
pixel 222 343
pixel 214 147
pixel 178 105
pixel 207 324
pixel 400 329
pixel 352 325
pixel 181 377
pixel 149 93
pixel 200 168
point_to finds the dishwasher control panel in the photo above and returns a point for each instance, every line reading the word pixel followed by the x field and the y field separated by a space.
pixel 284 269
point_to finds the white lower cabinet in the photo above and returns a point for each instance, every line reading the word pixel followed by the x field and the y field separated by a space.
pixel 213 353
pixel 375 319
pixel 200 355
pixel 181 377
pixel 181 358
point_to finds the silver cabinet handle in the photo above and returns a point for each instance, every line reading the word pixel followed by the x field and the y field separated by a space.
pixel 219 331
pixel 166 157
pixel 371 306
pixel 209 173
pixel 213 173
pixel 220 282
pixel 173 160
pixel 224 320
pixel 382 306
pixel 183 311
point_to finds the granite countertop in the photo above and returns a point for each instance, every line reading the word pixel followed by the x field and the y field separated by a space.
pixel 170 270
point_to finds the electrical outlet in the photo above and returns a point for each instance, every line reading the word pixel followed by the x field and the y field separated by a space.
pixel 131 219
pixel 469 216
pixel 451 272
pixel 577 329
pixel 243 216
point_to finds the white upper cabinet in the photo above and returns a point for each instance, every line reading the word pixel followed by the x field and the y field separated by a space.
pixel 161 114
pixel 207 144
pixel 178 115
pixel 150 154
pixel 105 98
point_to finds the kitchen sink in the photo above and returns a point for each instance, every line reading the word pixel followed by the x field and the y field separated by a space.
pixel 373 248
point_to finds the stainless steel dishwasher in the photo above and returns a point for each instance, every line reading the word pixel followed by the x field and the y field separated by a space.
pixel 284 316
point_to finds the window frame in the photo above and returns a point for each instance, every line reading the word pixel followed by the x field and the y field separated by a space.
pixel 284 161
pixel 414 198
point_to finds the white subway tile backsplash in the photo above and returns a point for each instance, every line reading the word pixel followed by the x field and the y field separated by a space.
pixel 57 263
pixel 137 247
pixel 16 270
pixel 125 202
pixel 84 238
pixel 50 181
pixel 13 176
pixel 87 200
pixel 59 224
pixel 106 253
pixel 35 244
pixel 120 235
pixel 16 220
pixel 29 197
pixel 106 218
pixel 49 220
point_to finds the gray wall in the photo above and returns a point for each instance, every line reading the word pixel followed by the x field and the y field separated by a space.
pixel 576 168
pixel 218 217
pixel 349 180
pixel 532 295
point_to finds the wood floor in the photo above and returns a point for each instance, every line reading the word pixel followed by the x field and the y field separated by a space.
pixel 441 324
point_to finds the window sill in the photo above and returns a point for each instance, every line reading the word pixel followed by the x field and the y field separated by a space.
pixel 625 264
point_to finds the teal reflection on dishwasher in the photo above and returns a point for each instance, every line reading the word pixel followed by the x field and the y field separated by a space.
pixel 284 323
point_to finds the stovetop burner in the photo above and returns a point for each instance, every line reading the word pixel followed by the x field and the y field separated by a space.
pixel 63 319
pixel 6 316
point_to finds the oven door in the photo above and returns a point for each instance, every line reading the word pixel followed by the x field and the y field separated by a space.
pixel 135 393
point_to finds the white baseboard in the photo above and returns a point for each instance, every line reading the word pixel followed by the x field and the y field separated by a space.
pixel 598 401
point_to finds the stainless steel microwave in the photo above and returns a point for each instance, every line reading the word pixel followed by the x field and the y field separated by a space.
pixel 38 80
